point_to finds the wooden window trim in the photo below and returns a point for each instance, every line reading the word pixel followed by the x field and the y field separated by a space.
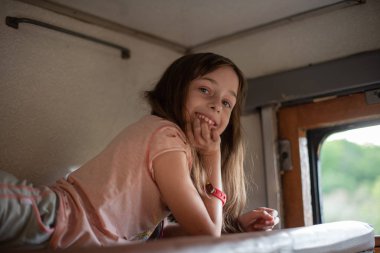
pixel 377 244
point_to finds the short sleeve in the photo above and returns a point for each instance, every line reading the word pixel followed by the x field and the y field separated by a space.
pixel 166 139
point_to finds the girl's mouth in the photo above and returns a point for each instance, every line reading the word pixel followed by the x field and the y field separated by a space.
pixel 206 119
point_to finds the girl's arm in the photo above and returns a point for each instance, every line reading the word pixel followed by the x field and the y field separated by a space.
pixel 196 215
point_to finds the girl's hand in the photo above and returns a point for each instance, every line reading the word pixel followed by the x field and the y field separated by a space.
pixel 259 219
pixel 203 137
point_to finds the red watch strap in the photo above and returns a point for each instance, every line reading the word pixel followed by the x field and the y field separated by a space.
pixel 216 193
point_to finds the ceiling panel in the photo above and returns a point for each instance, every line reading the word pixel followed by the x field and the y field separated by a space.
pixel 192 22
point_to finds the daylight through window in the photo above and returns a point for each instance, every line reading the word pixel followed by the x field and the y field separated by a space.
pixel 350 176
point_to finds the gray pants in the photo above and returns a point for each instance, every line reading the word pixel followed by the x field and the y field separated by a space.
pixel 27 213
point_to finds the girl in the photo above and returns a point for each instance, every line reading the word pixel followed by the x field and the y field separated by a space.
pixel 185 159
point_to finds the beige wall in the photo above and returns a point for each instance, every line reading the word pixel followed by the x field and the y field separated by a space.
pixel 254 167
pixel 63 98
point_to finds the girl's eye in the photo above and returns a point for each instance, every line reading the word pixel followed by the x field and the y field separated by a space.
pixel 227 104
pixel 204 90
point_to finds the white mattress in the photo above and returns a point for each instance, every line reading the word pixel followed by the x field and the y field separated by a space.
pixel 344 237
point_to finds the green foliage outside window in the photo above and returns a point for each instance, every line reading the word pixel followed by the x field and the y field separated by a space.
pixel 350 182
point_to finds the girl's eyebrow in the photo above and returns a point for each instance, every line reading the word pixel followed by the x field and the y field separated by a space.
pixel 216 83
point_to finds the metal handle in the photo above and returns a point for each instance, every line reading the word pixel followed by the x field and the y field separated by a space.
pixel 14 22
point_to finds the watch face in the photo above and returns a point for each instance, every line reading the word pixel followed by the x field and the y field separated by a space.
pixel 210 189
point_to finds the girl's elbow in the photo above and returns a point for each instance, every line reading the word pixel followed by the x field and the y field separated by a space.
pixel 217 233
pixel 212 231
pixel 216 230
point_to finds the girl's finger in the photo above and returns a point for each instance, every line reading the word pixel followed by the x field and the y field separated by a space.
pixel 262 227
pixel 276 221
pixel 270 211
pixel 265 215
pixel 214 135
pixel 205 131
pixel 274 213
pixel 267 224
pixel 197 130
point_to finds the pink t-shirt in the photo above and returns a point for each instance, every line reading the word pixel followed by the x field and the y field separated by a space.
pixel 113 198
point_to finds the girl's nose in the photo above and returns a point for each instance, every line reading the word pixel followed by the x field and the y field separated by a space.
pixel 216 107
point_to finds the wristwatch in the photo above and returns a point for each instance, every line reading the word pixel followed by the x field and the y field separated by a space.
pixel 210 189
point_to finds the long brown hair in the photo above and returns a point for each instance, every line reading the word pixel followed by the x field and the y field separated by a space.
pixel 168 99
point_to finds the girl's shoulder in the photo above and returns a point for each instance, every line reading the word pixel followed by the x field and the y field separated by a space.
pixel 146 128
pixel 165 136
pixel 161 126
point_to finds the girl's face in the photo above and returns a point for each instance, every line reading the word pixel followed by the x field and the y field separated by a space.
pixel 212 97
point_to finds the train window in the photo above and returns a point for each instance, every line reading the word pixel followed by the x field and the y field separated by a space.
pixel 344 172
